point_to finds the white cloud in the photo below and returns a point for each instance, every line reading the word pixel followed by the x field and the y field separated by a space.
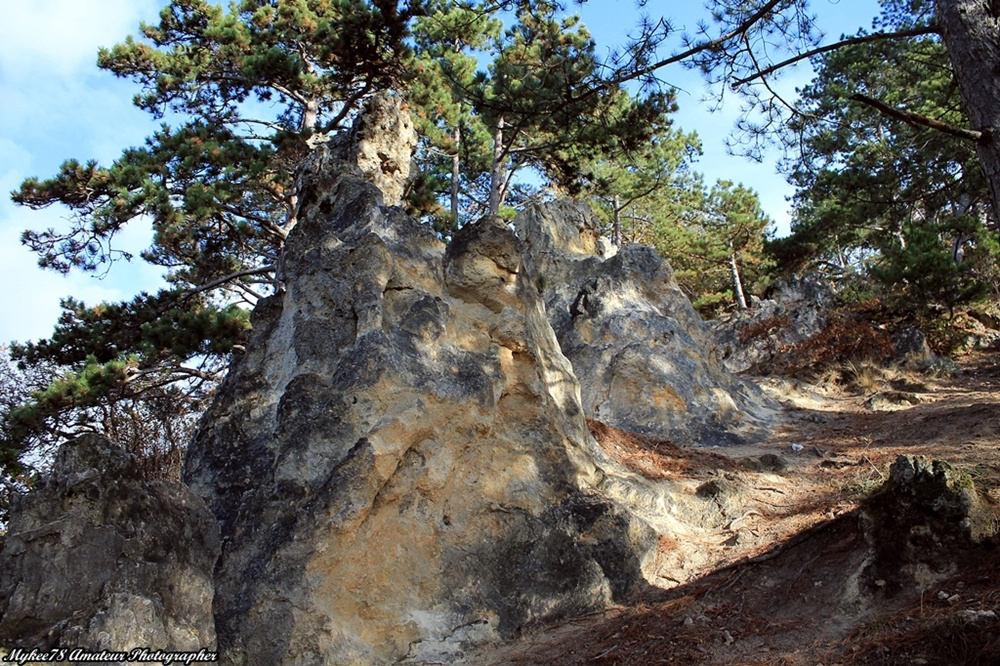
pixel 60 38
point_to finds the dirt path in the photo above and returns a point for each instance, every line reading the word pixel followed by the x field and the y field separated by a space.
pixel 769 573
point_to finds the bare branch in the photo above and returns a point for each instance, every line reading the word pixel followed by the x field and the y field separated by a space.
pixel 878 36
pixel 915 119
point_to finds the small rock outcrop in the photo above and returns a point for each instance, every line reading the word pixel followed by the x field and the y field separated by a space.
pixel 926 515
pixel 99 559
pixel 912 350
pixel 640 351
pixel 400 463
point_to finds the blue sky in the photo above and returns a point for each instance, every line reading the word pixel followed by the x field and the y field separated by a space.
pixel 56 104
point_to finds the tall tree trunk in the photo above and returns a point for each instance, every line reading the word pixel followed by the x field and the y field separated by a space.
pixel 741 300
pixel 455 164
pixel 496 172
pixel 971 32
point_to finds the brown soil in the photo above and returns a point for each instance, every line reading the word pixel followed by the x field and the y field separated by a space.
pixel 768 571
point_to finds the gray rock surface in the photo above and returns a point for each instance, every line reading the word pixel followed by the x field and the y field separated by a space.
pixel 99 559
pixel 400 463
pixel 910 345
pixel 640 351
pixel 796 309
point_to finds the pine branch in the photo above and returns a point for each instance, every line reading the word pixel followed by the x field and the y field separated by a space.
pixel 878 36
pixel 228 278
pixel 698 48
pixel 915 119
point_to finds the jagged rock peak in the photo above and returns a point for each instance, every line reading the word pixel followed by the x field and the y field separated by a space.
pixel 400 463
pixel 562 228
pixel 99 559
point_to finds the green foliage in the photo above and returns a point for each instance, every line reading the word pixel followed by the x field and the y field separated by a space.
pixel 558 112
pixel 642 193
pixel 541 104
pixel 247 86
pixel 919 272
pixel 42 405
pixel 73 390
pixel 726 234
pixel 151 329
pixel 138 372
pixel 901 205
pixel 454 142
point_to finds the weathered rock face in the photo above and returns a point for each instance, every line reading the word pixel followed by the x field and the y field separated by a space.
pixel 96 558
pixel 636 345
pixel 795 310
pixel 380 143
pixel 400 462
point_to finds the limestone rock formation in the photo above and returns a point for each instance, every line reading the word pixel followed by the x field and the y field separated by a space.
pixel 400 463
pixel 796 309
pixel 380 143
pixel 96 558
pixel 638 348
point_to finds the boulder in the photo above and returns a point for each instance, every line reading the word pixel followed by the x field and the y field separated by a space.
pixel 641 353
pixel 97 558
pixel 400 463
pixel 911 348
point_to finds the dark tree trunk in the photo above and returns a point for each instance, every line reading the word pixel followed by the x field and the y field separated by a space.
pixel 971 32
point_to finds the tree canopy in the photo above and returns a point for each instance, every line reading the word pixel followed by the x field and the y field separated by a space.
pixel 881 193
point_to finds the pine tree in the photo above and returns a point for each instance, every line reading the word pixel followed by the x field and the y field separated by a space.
pixel 548 107
pixel 241 90
pixel 718 250
pixel 640 194
pixel 875 190
pixel 454 142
